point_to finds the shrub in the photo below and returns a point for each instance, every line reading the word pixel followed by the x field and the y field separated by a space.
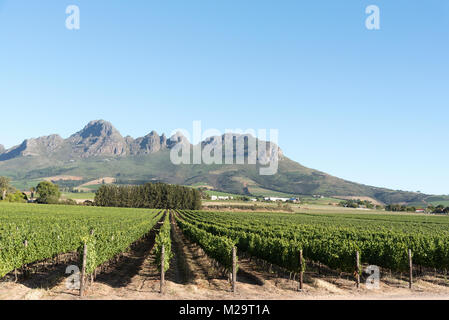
pixel 88 203
pixel 16 197
pixel 68 202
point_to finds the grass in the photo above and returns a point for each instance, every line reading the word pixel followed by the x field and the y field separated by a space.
pixel 325 209
pixel 93 187
pixel 200 184
pixel 258 191
pixel 78 196
pixel 255 192
pixel 432 200
pixel 437 203
pixel 322 201
pixel 25 185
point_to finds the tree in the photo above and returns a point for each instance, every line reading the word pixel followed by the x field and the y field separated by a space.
pixel 4 186
pixel 48 193
pixel 33 191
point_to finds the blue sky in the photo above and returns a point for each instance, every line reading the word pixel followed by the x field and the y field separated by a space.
pixel 367 106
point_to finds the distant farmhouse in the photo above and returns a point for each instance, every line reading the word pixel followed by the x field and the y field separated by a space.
pixel 275 199
pixel 215 198
pixel 30 196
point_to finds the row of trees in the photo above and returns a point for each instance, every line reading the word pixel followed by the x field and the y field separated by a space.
pixel 440 209
pixel 357 204
pixel 157 196
pixel 399 208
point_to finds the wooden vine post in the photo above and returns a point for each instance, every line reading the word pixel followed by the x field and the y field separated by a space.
pixel 410 262
pixel 83 271
pixel 92 274
pixel 234 269
pixel 357 266
pixel 301 272
pixel 25 268
pixel 163 269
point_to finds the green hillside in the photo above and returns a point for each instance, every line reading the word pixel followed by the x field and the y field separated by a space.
pixel 291 179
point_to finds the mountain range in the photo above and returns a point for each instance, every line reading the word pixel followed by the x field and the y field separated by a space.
pixel 99 150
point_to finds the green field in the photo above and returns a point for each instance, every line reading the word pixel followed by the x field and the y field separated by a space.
pixel 50 230
pixel 258 191
pixel 25 185
pixel 322 201
pixel 438 200
pixel 437 203
pixel 93 187
pixel 78 195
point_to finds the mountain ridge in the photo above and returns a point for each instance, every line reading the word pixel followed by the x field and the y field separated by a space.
pixel 101 138
pixel 99 150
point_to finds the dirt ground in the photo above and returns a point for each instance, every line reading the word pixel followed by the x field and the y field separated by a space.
pixel 192 276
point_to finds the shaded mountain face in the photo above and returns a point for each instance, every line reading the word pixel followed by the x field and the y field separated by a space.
pixel 99 150
pixel 2 148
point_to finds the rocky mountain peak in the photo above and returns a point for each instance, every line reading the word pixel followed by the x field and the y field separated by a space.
pixel 246 145
pixel 98 138
pixel 98 128
pixel 2 148
pixel 148 144
pixel 145 145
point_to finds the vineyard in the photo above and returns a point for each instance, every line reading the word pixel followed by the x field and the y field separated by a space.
pixel 332 240
pixel 30 234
